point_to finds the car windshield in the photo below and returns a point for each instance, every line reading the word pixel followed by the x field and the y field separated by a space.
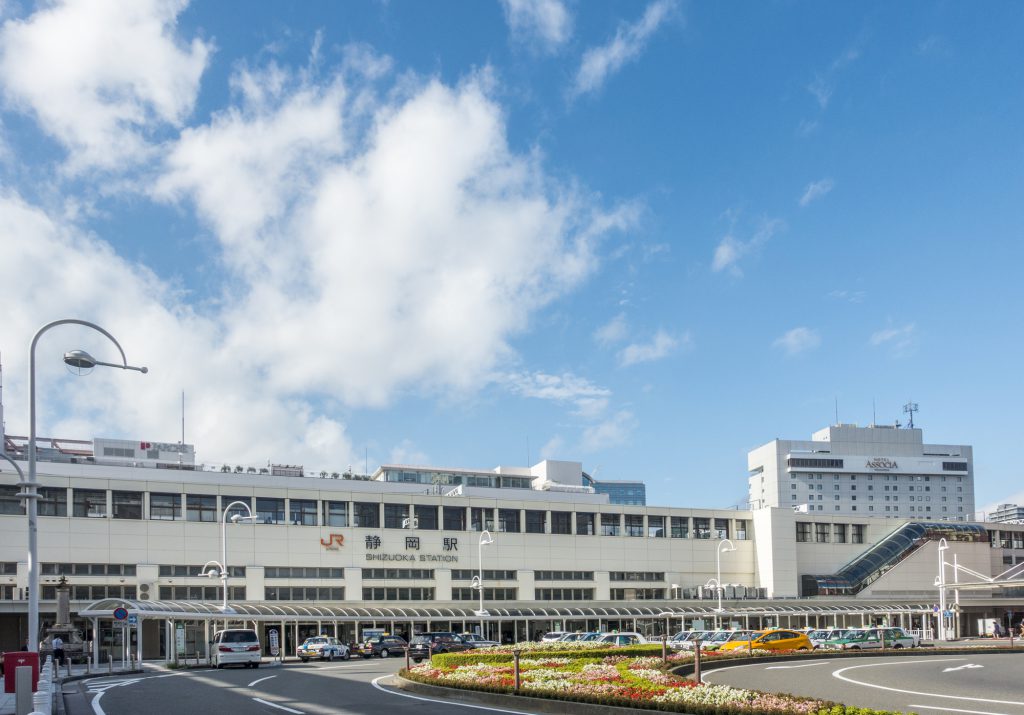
pixel 720 637
pixel 315 641
pixel 741 635
pixel 818 635
pixel 238 637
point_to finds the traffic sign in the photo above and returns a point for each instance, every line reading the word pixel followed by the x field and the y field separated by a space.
pixel 120 613
pixel 133 620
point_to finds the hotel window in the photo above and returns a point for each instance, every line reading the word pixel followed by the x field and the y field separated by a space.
pixel 53 501
pixel 366 515
pixel 701 528
pixel 201 507
pixel 561 522
pixel 395 515
pixel 721 528
pixel 241 511
pixel 656 527
pixel 454 518
pixel 634 525
pixel 426 517
pixel 803 532
pixel 584 523
pixel 481 519
pixel 611 524
pixel 10 504
pixel 302 512
pixel 535 521
pixel 269 511
pixel 821 533
pixel 335 513
pixel 89 503
pixel 680 527
pixel 164 507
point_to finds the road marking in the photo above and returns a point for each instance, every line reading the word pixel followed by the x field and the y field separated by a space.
pixel 449 703
pixel 96 708
pixel 260 680
pixel 838 674
pixel 804 665
pixel 961 667
pixel 956 710
pixel 279 707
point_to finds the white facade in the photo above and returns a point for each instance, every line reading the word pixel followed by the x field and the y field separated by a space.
pixel 875 471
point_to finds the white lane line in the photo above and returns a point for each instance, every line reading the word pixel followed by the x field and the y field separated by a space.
pixel 279 707
pixel 837 674
pixel 352 665
pixel 96 708
pixel 803 665
pixel 375 684
pixel 956 710
pixel 260 680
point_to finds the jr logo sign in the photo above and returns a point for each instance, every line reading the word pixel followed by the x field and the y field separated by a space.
pixel 333 542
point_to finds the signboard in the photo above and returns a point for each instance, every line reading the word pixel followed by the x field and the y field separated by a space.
pixel 369 633
pixel 120 613
pixel 133 620
pixel 275 645
pixel 179 637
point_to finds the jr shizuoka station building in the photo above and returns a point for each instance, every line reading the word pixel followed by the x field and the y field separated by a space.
pixel 855 526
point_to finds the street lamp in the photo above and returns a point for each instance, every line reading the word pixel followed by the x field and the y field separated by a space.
pixel 478 581
pixel 82 361
pixel 722 548
pixel 941 583
pixel 223 564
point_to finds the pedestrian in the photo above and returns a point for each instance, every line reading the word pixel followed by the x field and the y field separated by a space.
pixel 58 650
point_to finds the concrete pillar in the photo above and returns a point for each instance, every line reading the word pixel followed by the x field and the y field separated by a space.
pixel 95 642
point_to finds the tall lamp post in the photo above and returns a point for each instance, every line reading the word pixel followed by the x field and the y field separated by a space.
pixel 223 563
pixel 82 361
pixel 724 546
pixel 478 581
pixel 940 581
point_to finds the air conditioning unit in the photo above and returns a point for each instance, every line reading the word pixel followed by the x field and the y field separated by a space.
pixel 144 588
pixel 143 596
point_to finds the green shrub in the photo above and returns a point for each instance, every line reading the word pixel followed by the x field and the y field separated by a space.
pixel 449 660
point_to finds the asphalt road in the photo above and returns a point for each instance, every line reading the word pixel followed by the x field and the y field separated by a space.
pixel 356 686
pixel 984 684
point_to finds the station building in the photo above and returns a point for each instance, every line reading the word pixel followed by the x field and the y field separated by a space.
pixel 137 524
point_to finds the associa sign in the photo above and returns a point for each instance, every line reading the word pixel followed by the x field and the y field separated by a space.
pixel 881 464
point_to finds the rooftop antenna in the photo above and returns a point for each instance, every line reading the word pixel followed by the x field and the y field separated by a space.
pixel 874 414
pixel 527 450
pixel 910 408
pixel 837 411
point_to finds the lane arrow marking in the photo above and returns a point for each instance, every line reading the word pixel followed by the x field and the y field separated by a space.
pixel 961 667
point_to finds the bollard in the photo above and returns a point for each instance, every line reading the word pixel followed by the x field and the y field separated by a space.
pixel 750 645
pixel 22 689
pixel 696 662
pixel 664 649
pixel 110 663
pixel 515 668
pixel 407 665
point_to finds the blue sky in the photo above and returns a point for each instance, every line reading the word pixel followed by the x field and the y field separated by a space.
pixel 645 236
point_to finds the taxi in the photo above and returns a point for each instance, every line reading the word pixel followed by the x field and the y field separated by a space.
pixel 778 639
pixel 872 639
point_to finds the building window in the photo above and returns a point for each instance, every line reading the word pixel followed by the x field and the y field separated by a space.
pixel 637 576
pixel 201 507
pixel 366 515
pixel 10 504
pixel 53 501
pixel 611 524
pixel 721 528
pixel 481 519
pixel 490 594
pixel 304 593
pixel 489 575
pixel 821 533
pixel 584 523
pixel 656 527
pixel 680 527
pixel 426 516
pixel 302 512
pixel 634 524
pixel 839 533
pixel 564 594
pixel 454 518
pixel 803 532
pixel 398 574
pixel 563 576
pixel 395 515
pixel 535 521
pixel 269 511
pixel 90 503
pixel 815 463
pixel 237 509
pixel 701 528
pixel 303 572
pixel 637 594
pixel 857 534
pixel 561 522
pixel 165 507
pixel 393 593
pixel 336 513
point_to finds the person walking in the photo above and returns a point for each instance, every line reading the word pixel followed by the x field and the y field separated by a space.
pixel 58 650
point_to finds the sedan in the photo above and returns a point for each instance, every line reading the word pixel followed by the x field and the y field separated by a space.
pixel 322 647
pixel 384 646
pixel 772 640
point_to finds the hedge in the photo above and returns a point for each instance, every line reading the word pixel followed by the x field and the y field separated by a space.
pixel 468 657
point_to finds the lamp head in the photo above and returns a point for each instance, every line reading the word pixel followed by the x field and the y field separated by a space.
pixel 235 518
pixel 486 538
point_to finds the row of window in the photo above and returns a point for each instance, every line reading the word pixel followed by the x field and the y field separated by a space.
pixel 81 592
pixel 170 570
pixel 93 503
pixel 637 594
pixel 826 533
pixel 200 593
pixel 637 576
pixel 391 593
pixel 489 575
pixel 53 569
pixel 408 574
pixel 563 576
pixel 564 594
pixel 945 510
pixel 490 594
pixel 853 488
pixel 302 572
pixel 303 593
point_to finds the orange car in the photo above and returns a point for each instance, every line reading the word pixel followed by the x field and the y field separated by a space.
pixel 779 639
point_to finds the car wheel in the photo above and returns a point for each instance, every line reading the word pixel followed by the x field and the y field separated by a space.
pixel 348 654
pixel 855 647
pixel 898 645
pixel 219 666
pixel 304 660
pixel 417 660
pixel 801 650
pixel 384 653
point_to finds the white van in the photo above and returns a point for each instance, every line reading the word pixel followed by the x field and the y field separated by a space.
pixel 236 646
pixel 622 638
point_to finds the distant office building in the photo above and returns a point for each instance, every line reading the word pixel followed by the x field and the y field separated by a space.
pixel 1008 514
pixel 619 491
pixel 879 470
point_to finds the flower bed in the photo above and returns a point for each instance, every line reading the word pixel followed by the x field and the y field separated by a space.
pixel 593 676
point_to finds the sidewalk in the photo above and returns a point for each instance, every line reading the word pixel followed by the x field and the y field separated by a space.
pixel 7 700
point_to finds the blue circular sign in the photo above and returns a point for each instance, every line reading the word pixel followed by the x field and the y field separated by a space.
pixel 120 613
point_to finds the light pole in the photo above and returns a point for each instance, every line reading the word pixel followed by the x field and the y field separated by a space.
pixel 223 564
pixel 722 548
pixel 478 581
pixel 941 583
pixel 83 361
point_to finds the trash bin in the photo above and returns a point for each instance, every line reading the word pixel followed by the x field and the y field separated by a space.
pixel 15 660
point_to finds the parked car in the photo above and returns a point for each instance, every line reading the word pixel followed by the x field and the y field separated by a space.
pixel 819 636
pixel 384 646
pixel 687 642
pixel 424 645
pixel 777 639
pixel 721 638
pixel 322 647
pixel 478 640
pixel 579 637
pixel 236 646
pixel 552 636
pixel 622 638
pixel 872 639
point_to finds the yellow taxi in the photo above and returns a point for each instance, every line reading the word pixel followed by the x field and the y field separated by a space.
pixel 778 639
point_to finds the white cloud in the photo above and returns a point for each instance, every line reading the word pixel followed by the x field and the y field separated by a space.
pixel 614 331
pixel 816 190
pixel 900 340
pixel 798 340
pixel 850 296
pixel 731 249
pixel 405 452
pixel 546 22
pixel 629 41
pixel 553 448
pixel 101 75
pixel 822 86
pixel 612 432
pixel 559 388
pixel 660 346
